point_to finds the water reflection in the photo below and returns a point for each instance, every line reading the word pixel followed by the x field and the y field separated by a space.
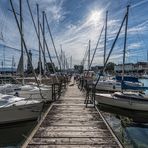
pixel 134 116
pixel 14 135
pixel 130 126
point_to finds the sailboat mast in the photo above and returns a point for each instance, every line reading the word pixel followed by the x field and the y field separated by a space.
pixel 52 40
pixel 105 37
pixel 125 43
pixel 89 55
pixel 147 55
pixel 44 64
pixel 38 22
pixel 12 64
pixel 71 62
pixel 22 50
pixel 61 58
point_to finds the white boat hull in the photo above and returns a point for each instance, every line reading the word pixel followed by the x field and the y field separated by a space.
pixel 107 99
pixel 12 114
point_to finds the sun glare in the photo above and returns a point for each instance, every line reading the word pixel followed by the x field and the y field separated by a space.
pixel 95 17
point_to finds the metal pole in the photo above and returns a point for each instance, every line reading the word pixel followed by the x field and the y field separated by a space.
pixel 25 47
pixel 43 17
pixel 125 42
pixel 37 34
pixel 53 67
pixel 52 41
pixel 89 56
pixel 111 49
pixel 96 47
pixel 22 50
pixel 71 62
pixel 38 23
pixel 105 37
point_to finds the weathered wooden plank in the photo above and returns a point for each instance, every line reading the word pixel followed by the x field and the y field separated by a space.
pixel 74 128
pixel 73 118
pixel 70 116
pixel 72 108
pixel 68 123
pixel 86 134
pixel 73 146
pixel 74 141
pixel 75 112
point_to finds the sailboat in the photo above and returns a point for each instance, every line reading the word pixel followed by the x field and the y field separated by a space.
pixel 115 84
pixel 16 109
pixel 125 100
pixel 31 91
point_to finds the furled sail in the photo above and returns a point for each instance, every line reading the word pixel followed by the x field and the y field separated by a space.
pixel 20 69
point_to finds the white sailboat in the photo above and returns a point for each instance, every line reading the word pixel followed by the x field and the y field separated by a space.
pixel 16 109
pixel 126 100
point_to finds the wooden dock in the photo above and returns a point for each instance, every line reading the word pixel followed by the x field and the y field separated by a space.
pixel 69 124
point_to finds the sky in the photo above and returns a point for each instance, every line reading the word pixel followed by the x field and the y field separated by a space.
pixel 73 23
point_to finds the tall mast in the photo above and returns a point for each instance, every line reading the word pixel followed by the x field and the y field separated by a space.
pixel 147 55
pixel 38 22
pixel 105 37
pixel 52 40
pixel 61 58
pixel 12 64
pixel 71 62
pixel 64 61
pixel 89 55
pixel 44 64
pixel 22 50
pixel 24 44
pixel 125 43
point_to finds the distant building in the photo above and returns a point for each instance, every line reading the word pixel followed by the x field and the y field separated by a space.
pixel 140 67
pixel 7 70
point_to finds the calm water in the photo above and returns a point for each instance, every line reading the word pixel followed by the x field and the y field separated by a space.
pixel 130 127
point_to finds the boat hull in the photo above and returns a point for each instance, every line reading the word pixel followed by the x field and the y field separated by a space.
pixel 107 99
pixel 20 113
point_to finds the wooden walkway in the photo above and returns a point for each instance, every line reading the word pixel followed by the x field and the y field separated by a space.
pixel 69 124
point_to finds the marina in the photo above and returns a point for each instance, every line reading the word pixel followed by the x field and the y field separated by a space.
pixel 73 74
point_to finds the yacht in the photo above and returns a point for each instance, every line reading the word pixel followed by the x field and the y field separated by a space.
pixel 16 109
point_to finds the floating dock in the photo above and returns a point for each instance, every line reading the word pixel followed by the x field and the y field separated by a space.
pixel 69 124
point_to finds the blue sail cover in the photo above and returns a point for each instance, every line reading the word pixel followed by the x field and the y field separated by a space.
pixel 140 88
pixel 127 78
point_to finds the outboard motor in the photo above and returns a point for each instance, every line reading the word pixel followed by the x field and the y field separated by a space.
pixel 16 94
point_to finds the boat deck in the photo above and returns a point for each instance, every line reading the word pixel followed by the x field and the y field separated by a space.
pixel 69 124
